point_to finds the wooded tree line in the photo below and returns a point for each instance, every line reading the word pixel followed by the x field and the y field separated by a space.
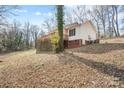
pixel 16 36
pixel 106 18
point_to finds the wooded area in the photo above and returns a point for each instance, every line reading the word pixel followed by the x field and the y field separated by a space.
pixel 108 19
pixel 16 36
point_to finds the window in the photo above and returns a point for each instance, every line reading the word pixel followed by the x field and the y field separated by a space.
pixel 72 32
pixel 89 37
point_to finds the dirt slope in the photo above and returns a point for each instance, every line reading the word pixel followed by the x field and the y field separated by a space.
pixel 100 65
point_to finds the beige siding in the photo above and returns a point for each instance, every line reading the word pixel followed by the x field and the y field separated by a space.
pixel 83 31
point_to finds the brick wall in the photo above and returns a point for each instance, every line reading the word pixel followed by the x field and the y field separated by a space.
pixel 73 43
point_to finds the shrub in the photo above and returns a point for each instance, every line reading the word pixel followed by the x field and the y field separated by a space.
pixel 44 45
pixel 54 40
pixel 48 44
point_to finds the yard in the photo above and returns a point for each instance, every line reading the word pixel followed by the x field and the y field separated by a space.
pixel 98 65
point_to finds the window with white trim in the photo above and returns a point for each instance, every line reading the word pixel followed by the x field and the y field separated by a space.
pixel 72 32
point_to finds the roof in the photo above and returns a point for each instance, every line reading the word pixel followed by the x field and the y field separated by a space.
pixel 77 24
pixel 71 25
pixel 54 30
pixel 90 22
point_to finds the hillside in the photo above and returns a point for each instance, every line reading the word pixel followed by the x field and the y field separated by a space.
pixel 98 65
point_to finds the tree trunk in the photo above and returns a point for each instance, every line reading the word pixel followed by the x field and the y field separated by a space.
pixel 98 29
pixel 116 11
pixel 104 29
pixel 113 26
pixel 60 28
pixel 109 22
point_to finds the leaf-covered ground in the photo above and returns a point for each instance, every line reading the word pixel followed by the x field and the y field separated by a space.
pixel 99 65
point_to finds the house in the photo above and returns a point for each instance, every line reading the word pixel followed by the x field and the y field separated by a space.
pixel 76 35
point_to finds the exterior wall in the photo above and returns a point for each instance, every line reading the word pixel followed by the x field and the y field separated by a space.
pixel 83 32
pixel 72 43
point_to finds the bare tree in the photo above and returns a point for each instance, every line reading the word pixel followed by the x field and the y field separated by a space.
pixel 108 10
pixel 35 31
pixel 94 17
pixel 113 22
pixel 27 34
pixel 49 24
pixel 6 10
pixel 122 19
pixel 101 10
pixel 80 13
pixel 116 7
pixel 12 36
pixel 70 16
